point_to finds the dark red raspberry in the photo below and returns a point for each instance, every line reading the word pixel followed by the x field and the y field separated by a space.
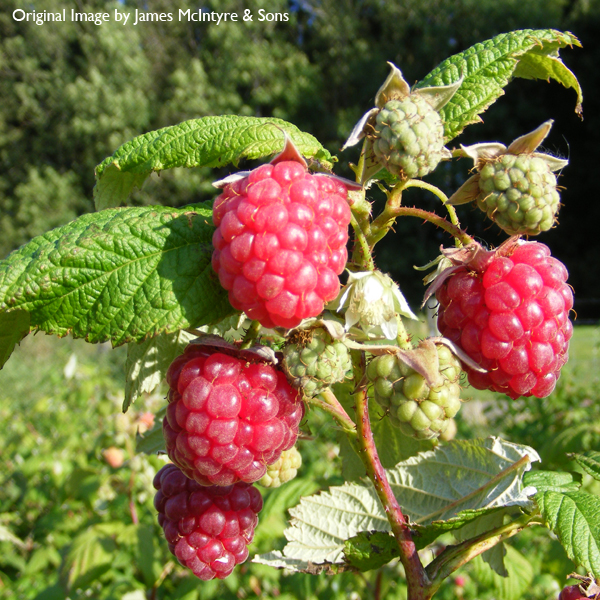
pixel 207 528
pixel 508 310
pixel 571 592
pixel 227 418
pixel 280 242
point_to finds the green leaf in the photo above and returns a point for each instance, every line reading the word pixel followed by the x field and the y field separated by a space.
pixel 575 519
pixel 14 326
pixel 6 535
pixel 590 461
pixel 121 275
pixel 89 557
pixel 147 363
pixel 552 481
pixel 489 66
pixel 370 550
pixel 460 475
pixel 205 142
pixel 512 587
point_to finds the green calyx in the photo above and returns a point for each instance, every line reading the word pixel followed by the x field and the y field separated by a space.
pixel 313 361
pixel 416 408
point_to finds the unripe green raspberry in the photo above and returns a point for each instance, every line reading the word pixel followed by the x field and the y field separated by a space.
pixel 409 137
pixel 284 470
pixel 519 193
pixel 313 361
pixel 413 406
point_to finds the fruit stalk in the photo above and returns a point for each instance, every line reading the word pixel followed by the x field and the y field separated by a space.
pixel 331 405
pixel 416 576
pixel 382 224
pixel 454 557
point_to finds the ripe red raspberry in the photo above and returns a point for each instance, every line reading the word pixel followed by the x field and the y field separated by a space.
pixel 571 592
pixel 207 528
pixel 280 242
pixel 508 310
pixel 227 418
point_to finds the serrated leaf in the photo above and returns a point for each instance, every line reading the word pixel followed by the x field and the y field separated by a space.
pixel 512 587
pixel 147 363
pixel 89 556
pixel 575 519
pixel 205 142
pixel 370 550
pixel 590 462
pixel 487 68
pixel 431 486
pixel 121 275
pixel 14 326
pixel 552 481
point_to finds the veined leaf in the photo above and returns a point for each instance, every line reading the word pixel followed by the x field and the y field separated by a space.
pixel 205 142
pixel 14 326
pixel 575 519
pixel 460 475
pixel 552 481
pixel 590 461
pixel 120 274
pixel 489 66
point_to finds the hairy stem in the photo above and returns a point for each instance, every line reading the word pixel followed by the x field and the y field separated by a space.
pixel 417 579
pixel 431 217
pixel 454 557
pixel 436 191
pixel 251 335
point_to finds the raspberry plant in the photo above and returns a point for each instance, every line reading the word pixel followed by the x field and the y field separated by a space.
pixel 264 258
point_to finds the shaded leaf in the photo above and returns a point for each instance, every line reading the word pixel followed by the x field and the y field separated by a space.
pixel 14 326
pixel 370 550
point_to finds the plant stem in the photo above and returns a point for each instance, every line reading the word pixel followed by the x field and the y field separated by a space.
pixel 417 579
pixel 330 404
pixel 436 191
pixel 361 254
pixel 454 557
pixel 431 217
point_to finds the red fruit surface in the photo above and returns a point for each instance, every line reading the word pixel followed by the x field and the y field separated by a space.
pixel 571 592
pixel 511 317
pixel 208 528
pixel 280 242
pixel 227 418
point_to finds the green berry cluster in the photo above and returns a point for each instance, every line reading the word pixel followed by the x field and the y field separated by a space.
pixel 284 470
pixel 313 361
pixel 519 193
pixel 409 137
pixel 415 408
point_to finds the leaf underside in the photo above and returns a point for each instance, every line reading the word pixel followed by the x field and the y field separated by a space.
pixel 487 68
pixel 121 275
pixel 479 475
pixel 206 142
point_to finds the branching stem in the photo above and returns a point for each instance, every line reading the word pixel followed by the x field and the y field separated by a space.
pixel 417 579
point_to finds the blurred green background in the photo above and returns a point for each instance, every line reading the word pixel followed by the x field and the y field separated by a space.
pixel 73 526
